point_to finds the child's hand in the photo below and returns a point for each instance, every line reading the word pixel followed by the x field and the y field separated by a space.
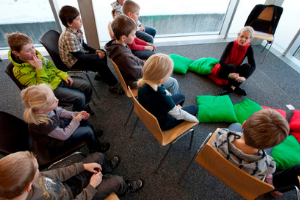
pixel 36 62
pixel 96 179
pixel 142 28
pixel 84 115
pixel 240 79
pixel 78 117
pixel 69 80
pixel 196 120
pixel 101 54
pixel 233 75
pixel 150 48
pixel 92 167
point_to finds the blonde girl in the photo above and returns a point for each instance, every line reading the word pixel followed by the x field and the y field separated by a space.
pixel 53 127
pixel 152 94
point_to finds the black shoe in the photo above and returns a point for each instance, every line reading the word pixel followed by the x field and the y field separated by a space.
pixel 98 77
pixel 134 186
pixel 89 110
pixel 98 133
pixel 113 164
pixel 240 91
pixel 226 90
pixel 116 89
pixel 99 147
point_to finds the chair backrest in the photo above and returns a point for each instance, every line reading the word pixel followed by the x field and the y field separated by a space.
pixel 50 41
pixel 123 83
pixel 10 73
pixel 241 182
pixel 147 118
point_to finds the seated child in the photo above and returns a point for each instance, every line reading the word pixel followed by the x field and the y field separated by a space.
pixel 53 127
pixel 152 94
pixel 132 10
pixel 31 68
pixel 244 146
pixel 139 48
pixel 75 53
pixel 130 66
pixel 89 179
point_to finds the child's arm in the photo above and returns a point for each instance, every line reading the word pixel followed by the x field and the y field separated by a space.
pixel 137 44
pixel 62 113
pixel 110 31
pixel 132 67
pixel 179 114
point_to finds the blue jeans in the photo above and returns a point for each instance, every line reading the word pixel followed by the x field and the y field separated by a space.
pixel 143 55
pixel 172 86
pixel 79 93
pixel 148 35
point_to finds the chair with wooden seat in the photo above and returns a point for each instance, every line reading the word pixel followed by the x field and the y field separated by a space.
pixel 163 137
pixel 50 41
pixel 124 86
pixel 264 20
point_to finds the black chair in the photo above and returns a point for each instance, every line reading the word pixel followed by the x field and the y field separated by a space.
pixel 15 137
pixel 50 41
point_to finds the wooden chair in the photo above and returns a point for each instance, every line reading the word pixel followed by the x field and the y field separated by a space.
pixel 163 137
pixel 265 24
pixel 124 86
pixel 112 196
pixel 241 182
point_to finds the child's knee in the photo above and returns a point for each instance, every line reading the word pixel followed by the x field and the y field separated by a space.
pixel 94 157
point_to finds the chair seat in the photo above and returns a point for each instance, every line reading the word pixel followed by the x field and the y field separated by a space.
pixel 268 37
pixel 112 196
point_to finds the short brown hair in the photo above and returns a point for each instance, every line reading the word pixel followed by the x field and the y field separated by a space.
pixel 122 25
pixel 265 129
pixel 17 40
pixel 130 6
pixel 17 170
pixel 67 14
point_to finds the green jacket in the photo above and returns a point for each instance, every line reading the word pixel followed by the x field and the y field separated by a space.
pixel 27 74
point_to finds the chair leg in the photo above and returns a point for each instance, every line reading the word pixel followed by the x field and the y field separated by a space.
pixel 264 47
pixel 164 158
pixel 266 53
pixel 297 192
pixel 192 137
pixel 129 116
pixel 88 77
pixel 187 168
pixel 134 128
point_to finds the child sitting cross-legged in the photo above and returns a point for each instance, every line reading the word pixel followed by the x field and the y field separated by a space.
pixel 246 146
pixel 152 94
pixel 20 179
pixel 53 127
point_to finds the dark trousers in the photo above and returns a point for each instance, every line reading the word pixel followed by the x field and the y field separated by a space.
pixel 100 66
pixel 110 183
pixel 243 70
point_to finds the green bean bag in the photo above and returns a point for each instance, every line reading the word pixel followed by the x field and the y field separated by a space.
pixel 215 109
pixel 203 65
pixel 245 109
pixel 181 64
pixel 286 154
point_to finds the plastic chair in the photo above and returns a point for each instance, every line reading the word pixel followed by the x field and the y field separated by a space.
pixel 50 41
pixel 163 137
pixel 241 182
pixel 264 23
pixel 15 137
pixel 124 86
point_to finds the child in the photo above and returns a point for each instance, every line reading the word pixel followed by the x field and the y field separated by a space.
pixel 130 66
pixel 90 179
pixel 117 6
pixel 31 68
pixel 231 62
pixel 75 53
pixel 53 127
pixel 132 10
pixel 157 100
pixel 139 48
pixel 244 145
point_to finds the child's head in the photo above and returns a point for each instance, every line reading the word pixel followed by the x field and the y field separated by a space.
pixel 70 17
pixel 114 13
pixel 39 100
pixel 245 35
pixel 124 28
pixel 157 69
pixel 120 1
pixel 265 129
pixel 17 172
pixel 131 9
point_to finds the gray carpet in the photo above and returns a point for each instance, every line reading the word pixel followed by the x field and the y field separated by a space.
pixel 273 84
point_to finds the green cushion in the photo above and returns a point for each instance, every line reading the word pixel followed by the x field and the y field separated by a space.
pixel 245 109
pixel 203 65
pixel 215 109
pixel 181 64
pixel 286 154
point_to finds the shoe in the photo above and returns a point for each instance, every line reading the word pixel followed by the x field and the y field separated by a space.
pixel 99 147
pixel 98 77
pixel 98 133
pixel 225 91
pixel 116 89
pixel 89 110
pixel 134 186
pixel 240 91
pixel 113 164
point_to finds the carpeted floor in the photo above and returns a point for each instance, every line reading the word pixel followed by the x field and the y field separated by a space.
pixel 273 84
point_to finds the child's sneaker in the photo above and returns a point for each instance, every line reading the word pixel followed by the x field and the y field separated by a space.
pixel 113 164
pixel 269 180
pixel 98 77
pixel 89 110
pixel 99 147
pixel 116 89
pixel 134 186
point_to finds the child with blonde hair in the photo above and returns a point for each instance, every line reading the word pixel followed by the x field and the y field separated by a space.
pixel 152 94
pixel 54 127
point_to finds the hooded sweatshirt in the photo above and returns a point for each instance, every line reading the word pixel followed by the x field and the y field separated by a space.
pixel 27 74
pixel 257 165
pixel 131 67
